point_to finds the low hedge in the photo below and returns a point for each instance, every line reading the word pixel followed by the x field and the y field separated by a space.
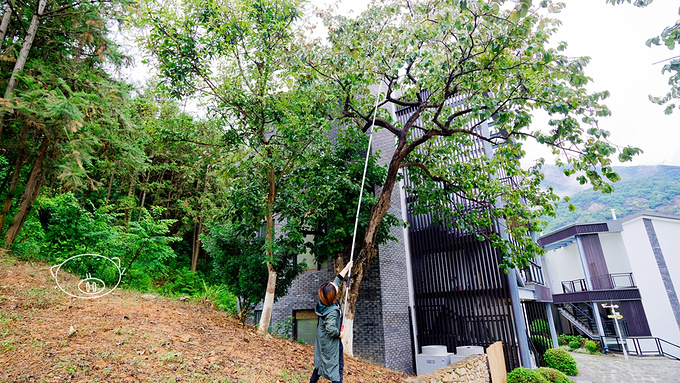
pixel 553 375
pixel 560 360
pixel 525 375
pixel 591 346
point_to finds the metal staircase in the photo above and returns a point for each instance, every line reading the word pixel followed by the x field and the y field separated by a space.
pixel 580 319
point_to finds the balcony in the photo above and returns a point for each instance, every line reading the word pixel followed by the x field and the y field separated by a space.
pixel 617 286
pixel 603 282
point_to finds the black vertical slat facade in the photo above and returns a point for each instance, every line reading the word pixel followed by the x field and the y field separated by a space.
pixel 539 329
pixel 462 297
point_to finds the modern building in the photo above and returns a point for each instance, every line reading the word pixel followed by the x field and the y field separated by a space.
pixel 632 263
pixel 433 286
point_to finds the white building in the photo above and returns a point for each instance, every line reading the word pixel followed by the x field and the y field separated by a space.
pixel 633 262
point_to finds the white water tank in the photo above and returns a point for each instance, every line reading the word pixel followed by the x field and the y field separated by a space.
pixel 431 359
pixel 466 351
pixel 463 352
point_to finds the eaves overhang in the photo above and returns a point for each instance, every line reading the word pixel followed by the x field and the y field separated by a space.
pixel 567 235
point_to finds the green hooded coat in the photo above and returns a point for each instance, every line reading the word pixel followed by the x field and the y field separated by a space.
pixel 327 345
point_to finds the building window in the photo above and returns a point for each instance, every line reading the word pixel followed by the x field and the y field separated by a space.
pixel 308 258
pixel 257 314
pixel 305 326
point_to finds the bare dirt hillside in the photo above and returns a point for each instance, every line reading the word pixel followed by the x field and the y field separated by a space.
pixel 45 335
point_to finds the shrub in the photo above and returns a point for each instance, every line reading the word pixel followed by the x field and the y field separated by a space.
pixel 561 341
pixel 525 375
pixel 591 346
pixel 574 344
pixel 226 301
pixel 284 329
pixel 184 282
pixel 239 266
pixel 564 339
pixel 561 360
pixel 539 326
pixel 553 375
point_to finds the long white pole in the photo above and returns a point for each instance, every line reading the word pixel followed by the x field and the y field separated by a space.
pixel 361 194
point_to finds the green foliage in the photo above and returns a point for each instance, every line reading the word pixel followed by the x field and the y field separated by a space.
pixel 225 300
pixel 525 375
pixel 553 375
pixel 542 341
pixel 62 228
pixel 69 229
pixel 591 346
pixel 574 344
pixel 539 326
pixel 274 110
pixel 183 282
pixel 565 339
pixel 238 261
pixel 149 244
pixel 63 96
pixel 416 50
pixel 560 360
pixel 331 188
pixel 284 329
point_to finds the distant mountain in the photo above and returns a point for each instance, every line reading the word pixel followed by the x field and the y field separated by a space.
pixel 654 188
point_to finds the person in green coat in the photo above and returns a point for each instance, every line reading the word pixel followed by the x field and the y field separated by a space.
pixel 328 359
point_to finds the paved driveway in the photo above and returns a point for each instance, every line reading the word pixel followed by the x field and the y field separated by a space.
pixel 614 368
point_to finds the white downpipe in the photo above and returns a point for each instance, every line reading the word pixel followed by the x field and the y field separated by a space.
pixel 409 270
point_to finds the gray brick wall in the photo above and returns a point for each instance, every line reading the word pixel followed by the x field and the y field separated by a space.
pixel 302 294
pixel 368 332
pixel 393 277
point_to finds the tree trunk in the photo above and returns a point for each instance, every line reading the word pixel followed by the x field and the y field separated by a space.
pixel 196 245
pixel 130 194
pixel 35 181
pixel 18 164
pixel 369 248
pixel 5 23
pixel 108 190
pixel 359 271
pixel 143 197
pixel 268 304
pixel 23 55
pixel 25 48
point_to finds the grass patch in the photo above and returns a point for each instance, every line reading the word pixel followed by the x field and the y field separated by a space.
pixel 171 357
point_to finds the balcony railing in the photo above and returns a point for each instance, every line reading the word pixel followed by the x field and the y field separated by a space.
pixel 603 282
pixel 532 274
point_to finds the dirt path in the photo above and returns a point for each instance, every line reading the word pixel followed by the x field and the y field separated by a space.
pixel 47 336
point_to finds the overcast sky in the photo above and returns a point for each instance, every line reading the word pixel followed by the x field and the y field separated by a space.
pixel 614 37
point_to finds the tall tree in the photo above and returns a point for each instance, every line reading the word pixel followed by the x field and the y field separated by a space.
pixel 57 97
pixel 240 57
pixel 456 65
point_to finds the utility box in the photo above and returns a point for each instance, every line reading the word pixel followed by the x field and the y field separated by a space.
pixel 431 359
